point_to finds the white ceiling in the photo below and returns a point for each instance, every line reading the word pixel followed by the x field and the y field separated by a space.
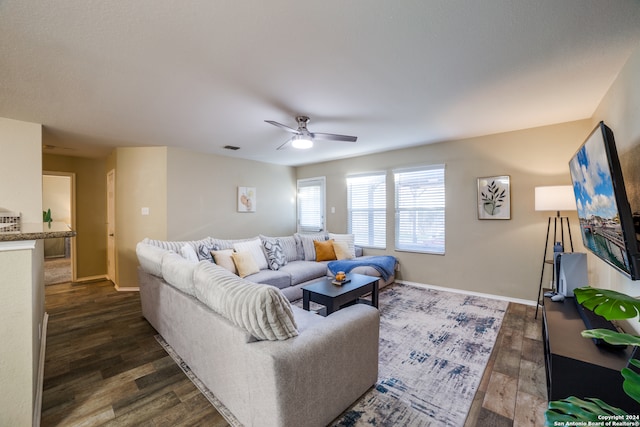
pixel 202 74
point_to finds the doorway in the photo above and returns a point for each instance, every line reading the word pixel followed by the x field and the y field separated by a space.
pixel 111 226
pixel 58 197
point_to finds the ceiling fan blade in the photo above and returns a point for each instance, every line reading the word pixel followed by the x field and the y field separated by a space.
pixel 334 137
pixel 285 145
pixel 280 125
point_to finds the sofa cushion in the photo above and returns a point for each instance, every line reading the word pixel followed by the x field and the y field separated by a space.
pixel 303 271
pixel 259 309
pixel 277 278
pixel 306 242
pixel 349 239
pixel 245 263
pixel 224 259
pixel 324 250
pixel 254 247
pixel 274 253
pixel 178 272
pixel 175 246
pixel 150 257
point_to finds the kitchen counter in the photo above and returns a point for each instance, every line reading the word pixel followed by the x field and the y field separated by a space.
pixel 37 231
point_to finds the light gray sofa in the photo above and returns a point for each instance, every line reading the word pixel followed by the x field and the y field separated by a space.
pixel 300 268
pixel 269 363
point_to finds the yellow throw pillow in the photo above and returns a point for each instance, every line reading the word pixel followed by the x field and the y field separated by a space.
pixel 245 263
pixel 342 250
pixel 324 250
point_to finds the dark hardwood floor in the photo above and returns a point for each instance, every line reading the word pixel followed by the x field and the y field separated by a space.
pixel 104 367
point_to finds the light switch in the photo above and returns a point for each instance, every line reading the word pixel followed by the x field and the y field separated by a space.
pixel 333 209
pixel 145 211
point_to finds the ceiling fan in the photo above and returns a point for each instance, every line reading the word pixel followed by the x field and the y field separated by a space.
pixel 304 139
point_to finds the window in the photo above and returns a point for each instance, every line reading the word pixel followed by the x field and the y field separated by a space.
pixel 311 204
pixel 367 209
pixel 420 206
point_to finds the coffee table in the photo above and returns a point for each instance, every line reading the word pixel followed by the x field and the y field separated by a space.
pixel 334 297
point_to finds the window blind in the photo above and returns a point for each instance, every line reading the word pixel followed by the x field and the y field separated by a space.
pixel 311 205
pixel 367 209
pixel 420 209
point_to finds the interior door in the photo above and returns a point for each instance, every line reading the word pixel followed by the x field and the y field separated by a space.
pixel 111 225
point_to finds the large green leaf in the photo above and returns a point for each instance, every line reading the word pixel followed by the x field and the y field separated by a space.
pixel 572 409
pixel 612 337
pixel 631 383
pixel 609 304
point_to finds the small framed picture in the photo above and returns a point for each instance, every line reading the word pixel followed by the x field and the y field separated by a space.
pixel 494 197
pixel 246 199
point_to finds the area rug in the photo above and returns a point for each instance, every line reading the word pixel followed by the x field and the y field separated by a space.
pixel 434 346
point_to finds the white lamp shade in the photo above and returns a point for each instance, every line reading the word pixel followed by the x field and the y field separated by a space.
pixel 555 198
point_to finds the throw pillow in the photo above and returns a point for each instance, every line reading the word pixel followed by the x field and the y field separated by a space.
pixel 324 250
pixel 204 251
pixel 245 263
pixel 348 239
pixel 254 247
pixel 274 252
pixel 189 253
pixel 306 242
pixel 342 250
pixel 223 259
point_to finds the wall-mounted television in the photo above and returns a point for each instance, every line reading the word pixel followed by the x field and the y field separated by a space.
pixel 606 222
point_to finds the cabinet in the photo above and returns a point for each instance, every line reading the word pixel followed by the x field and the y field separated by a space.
pixel 576 366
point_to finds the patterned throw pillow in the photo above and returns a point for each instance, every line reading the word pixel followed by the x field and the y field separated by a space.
pixel 275 254
pixel 204 251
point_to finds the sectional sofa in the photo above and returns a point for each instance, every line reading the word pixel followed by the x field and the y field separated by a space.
pixel 269 363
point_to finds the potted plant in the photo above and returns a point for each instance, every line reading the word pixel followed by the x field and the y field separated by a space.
pixel 611 305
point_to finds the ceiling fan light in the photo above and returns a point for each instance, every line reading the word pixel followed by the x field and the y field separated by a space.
pixel 301 142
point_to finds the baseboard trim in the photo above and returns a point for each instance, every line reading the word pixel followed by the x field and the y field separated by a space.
pixel 127 289
pixel 478 294
pixel 37 406
pixel 92 278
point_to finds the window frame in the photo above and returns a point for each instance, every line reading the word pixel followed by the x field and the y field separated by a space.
pixel 320 182
pixel 373 234
pixel 439 234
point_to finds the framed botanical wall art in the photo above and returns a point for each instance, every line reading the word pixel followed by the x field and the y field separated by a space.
pixel 494 197
pixel 246 199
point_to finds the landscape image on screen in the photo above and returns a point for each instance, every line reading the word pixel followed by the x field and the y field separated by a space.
pixel 597 208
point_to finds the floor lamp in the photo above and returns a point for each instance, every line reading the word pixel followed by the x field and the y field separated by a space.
pixel 554 198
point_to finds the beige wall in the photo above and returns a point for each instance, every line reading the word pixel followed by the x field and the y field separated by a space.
pixel 202 194
pixel 620 110
pixel 56 195
pixel 141 181
pixel 91 210
pixel 501 257
pixel 21 272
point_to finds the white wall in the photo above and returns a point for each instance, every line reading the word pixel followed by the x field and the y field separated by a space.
pixel 21 168
pixel 620 110
pixel 202 194
pixel 21 272
pixel 502 257
pixel 56 195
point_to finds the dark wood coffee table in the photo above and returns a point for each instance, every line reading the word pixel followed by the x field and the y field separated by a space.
pixel 333 297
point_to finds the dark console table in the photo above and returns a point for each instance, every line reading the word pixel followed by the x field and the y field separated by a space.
pixel 576 366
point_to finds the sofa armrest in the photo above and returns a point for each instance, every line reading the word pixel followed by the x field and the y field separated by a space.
pixel 315 376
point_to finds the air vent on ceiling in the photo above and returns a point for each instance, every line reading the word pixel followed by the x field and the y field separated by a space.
pixel 231 147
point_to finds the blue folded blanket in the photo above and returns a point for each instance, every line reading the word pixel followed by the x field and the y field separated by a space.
pixel 385 264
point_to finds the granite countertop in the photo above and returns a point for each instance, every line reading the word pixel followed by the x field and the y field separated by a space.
pixel 36 231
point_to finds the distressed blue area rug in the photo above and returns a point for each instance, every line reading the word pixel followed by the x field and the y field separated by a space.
pixel 434 346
